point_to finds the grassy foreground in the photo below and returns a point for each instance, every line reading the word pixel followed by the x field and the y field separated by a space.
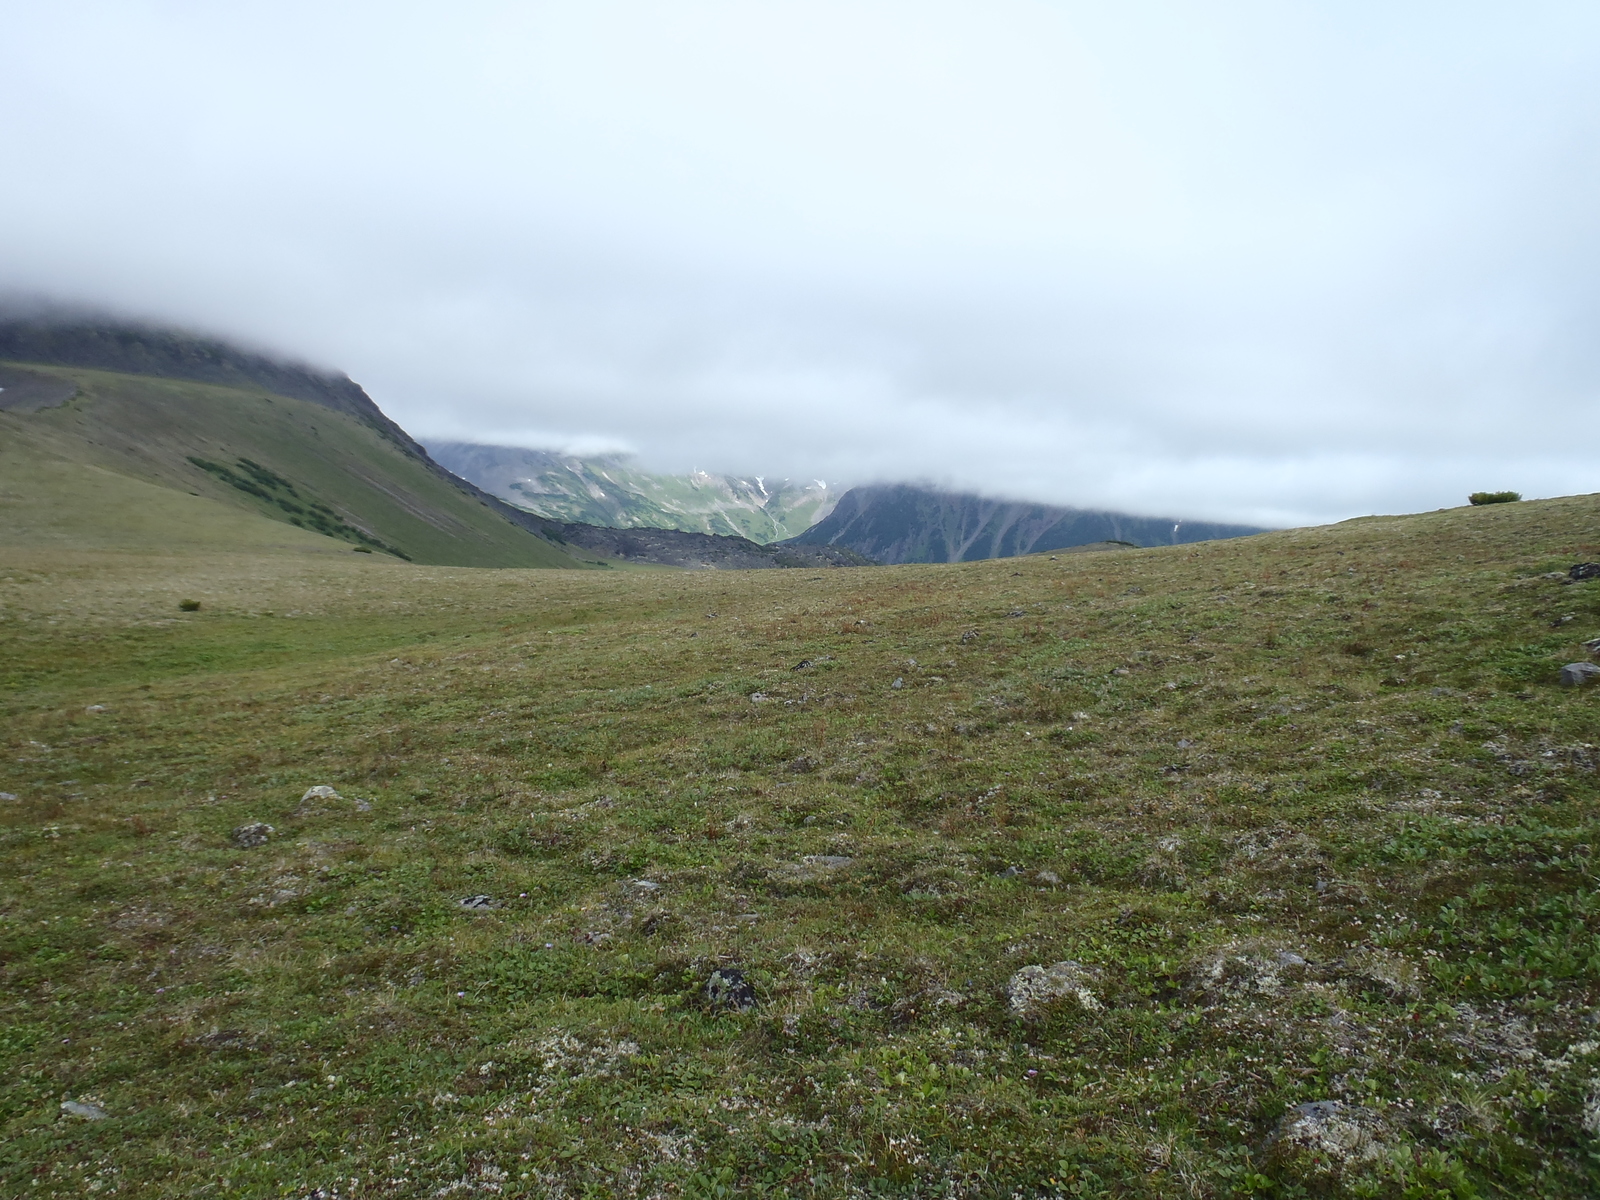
pixel 1308 811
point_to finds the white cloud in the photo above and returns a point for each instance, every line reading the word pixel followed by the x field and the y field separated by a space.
pixel 1244 260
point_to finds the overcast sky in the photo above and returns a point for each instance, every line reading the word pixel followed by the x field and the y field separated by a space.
pixel 1274 262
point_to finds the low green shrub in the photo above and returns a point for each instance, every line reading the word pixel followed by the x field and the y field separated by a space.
pixel 1494 497
pixel 189 605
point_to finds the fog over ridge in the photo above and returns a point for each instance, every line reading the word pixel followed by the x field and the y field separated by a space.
pixel 1256 263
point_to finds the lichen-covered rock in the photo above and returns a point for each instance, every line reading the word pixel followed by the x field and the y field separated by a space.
pixel 84 1110
pixel 1330 1135
pixel 1032 990
pixel 1242 972
pixel 1591 1108
pixel 321 792
pixel 251 835
pixel 728 988
pixel 1385 973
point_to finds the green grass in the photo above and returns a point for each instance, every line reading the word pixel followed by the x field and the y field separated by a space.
pixel 335 476
pixel 1172 766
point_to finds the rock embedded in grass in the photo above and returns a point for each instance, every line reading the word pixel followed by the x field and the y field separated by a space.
pixel 251 835
pixel 728 988
pixel 1034 989
pixel 1331 1133
pixel 478 903
pixel 1239 972
pixel 321 792
pixel 88 1112
pixel 1578 674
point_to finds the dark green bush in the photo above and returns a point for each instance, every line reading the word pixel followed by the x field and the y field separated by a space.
pixel 1494 497
pixel 189 605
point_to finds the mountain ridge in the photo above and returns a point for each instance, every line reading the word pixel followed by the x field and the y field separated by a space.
pixel 610 490
pixel 897 523
pixel 210 419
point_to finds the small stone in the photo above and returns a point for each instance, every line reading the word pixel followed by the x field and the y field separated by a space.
pixel 224 1039
pixel 248 837
pixel 363 805
pixel 321 792
pixel 1184 743
pixel 728 988
pixel 747 918
pixel 1592 645
pixel 1011 873
pixel 89 1112
pixel 971 635
pixel 478 903
pixel 800 766
pixel 1034 988
pixel 828 862
pixel 757 697
pixel 1120 671
pixel 1016 612
pixel 7 796
pixel 801 665
pixel 1047 877
pixel 1579 673
pixel 1581 571
pixel 95 708
pixel 898 683
pixel 647 885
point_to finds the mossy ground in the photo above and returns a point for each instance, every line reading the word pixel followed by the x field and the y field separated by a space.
pixel 1309 808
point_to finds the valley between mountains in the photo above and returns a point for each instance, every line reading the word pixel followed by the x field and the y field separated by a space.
pixel 365 835
pixel 1254 867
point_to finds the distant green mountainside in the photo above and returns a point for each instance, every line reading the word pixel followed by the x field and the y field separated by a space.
pixel 107 459
pixel 610 490
pixel 898 523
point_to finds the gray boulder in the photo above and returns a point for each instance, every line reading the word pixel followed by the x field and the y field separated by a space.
pixel 1579 673
pixel 248 837
pixel 728 988
pixel 88 1112
pixel 1034 989
pixel 1331 1133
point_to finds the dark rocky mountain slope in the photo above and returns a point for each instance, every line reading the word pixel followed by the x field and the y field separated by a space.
pixel 896 523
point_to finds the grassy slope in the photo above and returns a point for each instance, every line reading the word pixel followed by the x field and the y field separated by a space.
pixel 1380 777
pixel 146 429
